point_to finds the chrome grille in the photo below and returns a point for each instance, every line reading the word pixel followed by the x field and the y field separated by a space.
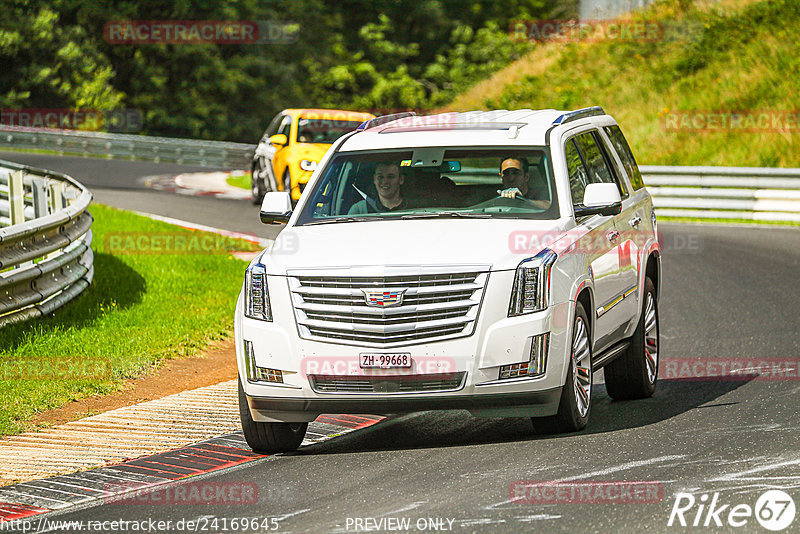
pixel 387 384
pixel 435 305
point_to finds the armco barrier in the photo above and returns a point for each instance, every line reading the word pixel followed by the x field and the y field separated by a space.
pixel 45 238
pixel 136 147
pixel 756 193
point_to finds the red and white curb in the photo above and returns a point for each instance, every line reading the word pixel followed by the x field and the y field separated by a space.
pixel 193 427
pixel 198 184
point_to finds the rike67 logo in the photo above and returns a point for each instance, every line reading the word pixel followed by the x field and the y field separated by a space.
pixel 774 510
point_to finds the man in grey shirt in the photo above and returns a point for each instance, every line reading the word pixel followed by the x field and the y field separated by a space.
pixel 387 180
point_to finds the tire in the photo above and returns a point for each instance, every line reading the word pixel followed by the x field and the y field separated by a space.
pixel 257 189
pixel 269 437
pixel 576 395
pixel 634 374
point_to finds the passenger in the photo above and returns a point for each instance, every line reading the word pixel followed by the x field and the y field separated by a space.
pixel 387 179
pixel 516 180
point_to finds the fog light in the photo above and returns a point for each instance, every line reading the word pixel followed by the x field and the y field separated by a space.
pixel 535 366
pixel 269 375
pixel 259 374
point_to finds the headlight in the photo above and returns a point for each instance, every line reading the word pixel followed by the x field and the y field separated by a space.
pixel 532 284
pixel 308 165
pixel 256 294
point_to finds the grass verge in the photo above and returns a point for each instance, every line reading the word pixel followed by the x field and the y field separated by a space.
pixel 159 292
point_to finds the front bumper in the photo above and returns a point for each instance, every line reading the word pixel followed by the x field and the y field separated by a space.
pixel 531 403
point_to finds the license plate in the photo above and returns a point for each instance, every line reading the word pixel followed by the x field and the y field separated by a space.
pixel 369 360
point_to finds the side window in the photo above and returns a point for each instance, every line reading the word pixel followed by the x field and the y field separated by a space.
pixel 578 177
pixel 600 168
pixel 625 154
pixel 286 126
pixel 612 165
pixel 598 171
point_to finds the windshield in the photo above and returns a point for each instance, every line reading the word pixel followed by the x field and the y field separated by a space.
pixel 323 130
pixel 434 182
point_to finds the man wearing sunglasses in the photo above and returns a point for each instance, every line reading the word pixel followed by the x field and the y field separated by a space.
pixel 516 181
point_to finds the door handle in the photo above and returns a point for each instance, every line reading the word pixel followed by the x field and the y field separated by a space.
pixel 612 236
pixel 636 221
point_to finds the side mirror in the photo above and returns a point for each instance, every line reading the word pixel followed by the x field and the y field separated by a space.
pixel 279 140
pixel 600 199
pixel 276 208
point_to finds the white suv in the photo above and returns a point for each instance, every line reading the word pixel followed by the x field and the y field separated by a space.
pixel 487 261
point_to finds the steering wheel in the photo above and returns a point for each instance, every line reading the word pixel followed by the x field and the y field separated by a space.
pixel 501 201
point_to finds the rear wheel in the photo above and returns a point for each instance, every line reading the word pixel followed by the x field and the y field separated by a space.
pixel 634 374
pixel 576 395
pixel 269 437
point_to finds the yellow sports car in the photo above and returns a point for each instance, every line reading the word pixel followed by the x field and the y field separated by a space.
pixel 293 144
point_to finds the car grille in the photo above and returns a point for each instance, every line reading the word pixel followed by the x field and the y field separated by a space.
pixel 434 305
pixel 387 384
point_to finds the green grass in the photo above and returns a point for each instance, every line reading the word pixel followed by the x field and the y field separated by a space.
pixel 718 220
pixel 244 181
pixel 141 310
pixel 734 55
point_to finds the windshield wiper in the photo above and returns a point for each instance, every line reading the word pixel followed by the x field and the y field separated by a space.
pixel 446 214
pixel 343 219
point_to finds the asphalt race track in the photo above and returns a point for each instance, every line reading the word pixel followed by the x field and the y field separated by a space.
pixel 729 294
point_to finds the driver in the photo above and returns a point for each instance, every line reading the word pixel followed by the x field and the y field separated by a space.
pixel 387 179
pixel 516 180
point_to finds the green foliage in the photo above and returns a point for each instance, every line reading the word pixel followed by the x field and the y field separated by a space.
pixel 50 65
pixel 743 59
pixel 359 54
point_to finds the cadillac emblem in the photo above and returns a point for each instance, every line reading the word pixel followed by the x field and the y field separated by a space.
pixel 381 298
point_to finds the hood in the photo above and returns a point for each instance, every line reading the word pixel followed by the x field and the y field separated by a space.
pixel 312 151
pixel 500 244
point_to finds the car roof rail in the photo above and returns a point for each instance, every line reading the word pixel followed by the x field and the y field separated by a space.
pixel 384 119
pixel 593 111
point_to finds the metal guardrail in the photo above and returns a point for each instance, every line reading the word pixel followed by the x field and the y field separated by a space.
pixel 756 193
pixel 45 237
pixel 135 147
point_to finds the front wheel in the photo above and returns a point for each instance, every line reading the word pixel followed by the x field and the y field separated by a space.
pixel 257 189
pixel 269 437
pixel 576 395
pixel 634 374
